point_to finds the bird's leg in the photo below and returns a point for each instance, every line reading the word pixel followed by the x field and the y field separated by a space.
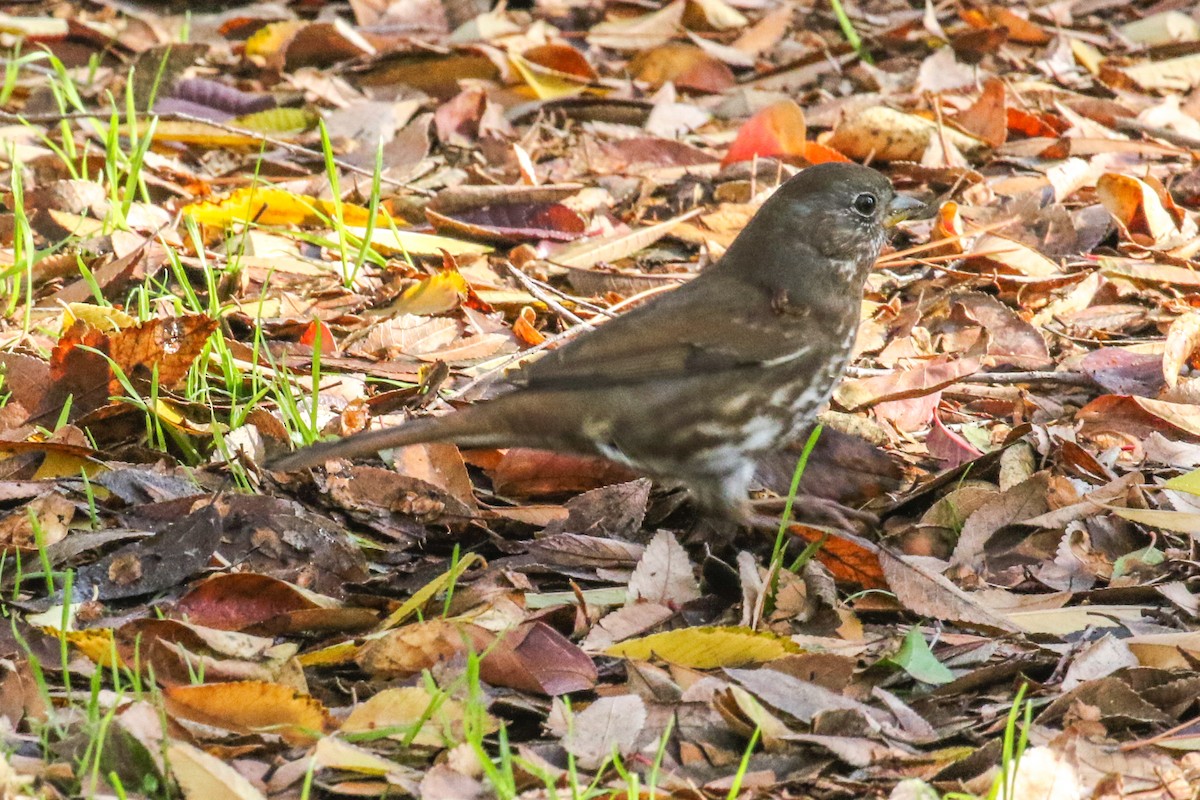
pixel 817 510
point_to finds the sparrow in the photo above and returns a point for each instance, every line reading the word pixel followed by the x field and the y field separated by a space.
pixel 694 385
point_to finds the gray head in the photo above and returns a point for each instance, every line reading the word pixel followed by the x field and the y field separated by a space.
pixel 839 211
pixel 844 209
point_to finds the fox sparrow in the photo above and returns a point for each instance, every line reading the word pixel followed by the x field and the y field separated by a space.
pixel 693 385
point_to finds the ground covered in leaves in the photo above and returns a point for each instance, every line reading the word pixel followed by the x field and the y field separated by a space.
pixel 229 231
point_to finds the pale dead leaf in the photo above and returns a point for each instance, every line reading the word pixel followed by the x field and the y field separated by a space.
pixel 607 725
pixel 664 575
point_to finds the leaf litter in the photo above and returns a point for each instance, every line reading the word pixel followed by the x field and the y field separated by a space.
pixel 310 219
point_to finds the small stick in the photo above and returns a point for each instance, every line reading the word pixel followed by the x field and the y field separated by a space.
pixel 537 290
pixel 996 378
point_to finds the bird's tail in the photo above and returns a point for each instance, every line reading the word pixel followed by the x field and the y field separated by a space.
pixel 474 426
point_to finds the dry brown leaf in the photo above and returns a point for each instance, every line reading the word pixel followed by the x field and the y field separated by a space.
pixel 930 594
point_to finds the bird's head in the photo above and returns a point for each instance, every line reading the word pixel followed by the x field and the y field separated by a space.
pixel 839 211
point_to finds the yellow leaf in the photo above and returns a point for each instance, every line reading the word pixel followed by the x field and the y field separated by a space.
pixel 398 243
pixel 331 656
pixel 427 592
pixel 102 318
pixel 270 39
pixel 1177 650
pixel 34 26
pixel 270 206
pixel 171 414
pixel 1073 619
pixel 95 643
pixel 1181 521
pixel 706 648
pixel 202 776
pixel 1189 482
pixel 440 718
pixel 436 294
pixel 334 753
pixel 277 120
pixel 194 132
pixel 59 464
pixel 547 84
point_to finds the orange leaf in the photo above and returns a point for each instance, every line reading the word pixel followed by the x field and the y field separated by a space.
pixel 987 117
pixel 524 328
pixel 847 557
pixel 250 707
pixel 309 337
pixel 817 153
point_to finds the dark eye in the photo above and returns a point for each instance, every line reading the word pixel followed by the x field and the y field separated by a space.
pixel 865 204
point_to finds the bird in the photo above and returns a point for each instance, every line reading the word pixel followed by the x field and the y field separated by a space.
pixel 694 385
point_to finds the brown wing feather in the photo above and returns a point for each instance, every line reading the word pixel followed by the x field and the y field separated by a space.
pixel 632 349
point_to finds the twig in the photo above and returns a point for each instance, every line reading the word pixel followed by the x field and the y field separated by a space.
pixel 996 378
pixel 535 289
pixel 578 301
pixel 1158 132
pixel 908 252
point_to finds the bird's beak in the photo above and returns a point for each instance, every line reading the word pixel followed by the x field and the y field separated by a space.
pixel 901 208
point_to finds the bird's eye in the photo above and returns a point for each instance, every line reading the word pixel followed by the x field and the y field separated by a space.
pixel 865 204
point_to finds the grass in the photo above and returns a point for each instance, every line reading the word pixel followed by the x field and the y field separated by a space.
pixel 1013 746
pixel 849 31
pixel 125 139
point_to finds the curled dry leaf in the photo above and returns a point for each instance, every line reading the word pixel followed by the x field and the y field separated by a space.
pixel 925 378
pixel 40 523
pixel 778 131
pixel 1183 339
pixel 987 117
pixel 246 601
pixel 639 33
pixel 991 251
pixel 684 65
pixel 536 658
pixel 406 651
pixel 886 134
pixel 1169 74
pixel 1138 208
pixel 92 366
pixel 1165 27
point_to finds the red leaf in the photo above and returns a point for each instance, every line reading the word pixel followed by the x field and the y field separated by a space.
pixel 328 345
pixel 776 131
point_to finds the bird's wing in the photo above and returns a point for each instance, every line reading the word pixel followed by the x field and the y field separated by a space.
pixel 737 327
